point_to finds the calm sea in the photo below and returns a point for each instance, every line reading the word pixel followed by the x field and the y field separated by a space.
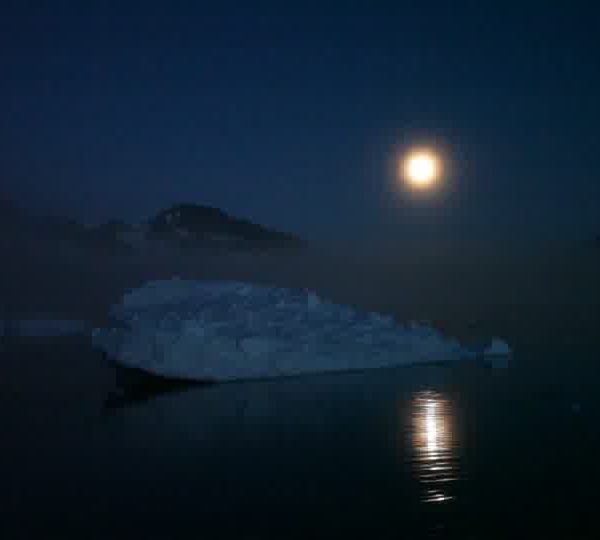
pixel 441 452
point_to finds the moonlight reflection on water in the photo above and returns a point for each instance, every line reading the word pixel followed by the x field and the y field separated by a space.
pixel 435 462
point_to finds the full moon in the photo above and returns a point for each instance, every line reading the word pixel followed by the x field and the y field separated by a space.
pixel 421 169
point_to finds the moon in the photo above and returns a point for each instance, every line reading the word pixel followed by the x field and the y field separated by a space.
pixel 421 169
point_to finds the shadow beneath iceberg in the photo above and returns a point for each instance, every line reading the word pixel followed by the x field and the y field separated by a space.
pixel 135 386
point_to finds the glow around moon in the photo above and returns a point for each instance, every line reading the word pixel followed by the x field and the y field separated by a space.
pixel 421 169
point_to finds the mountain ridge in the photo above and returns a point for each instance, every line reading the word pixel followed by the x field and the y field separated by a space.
pixel 195 224
pixel 184 226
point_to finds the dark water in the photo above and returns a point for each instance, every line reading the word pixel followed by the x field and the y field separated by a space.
pixel 459 452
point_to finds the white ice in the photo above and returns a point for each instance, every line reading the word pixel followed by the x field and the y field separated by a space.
pixel 229 330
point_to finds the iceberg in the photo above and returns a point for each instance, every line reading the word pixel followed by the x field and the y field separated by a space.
pixel 497 348
pixel 224 331
pixel 497 354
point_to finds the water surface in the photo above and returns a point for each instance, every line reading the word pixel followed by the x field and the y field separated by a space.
pixel 464 452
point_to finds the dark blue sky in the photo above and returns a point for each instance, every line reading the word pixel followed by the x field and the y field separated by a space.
pixel 293 120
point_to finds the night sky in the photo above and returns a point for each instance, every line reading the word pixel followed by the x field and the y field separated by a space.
pixel 295 120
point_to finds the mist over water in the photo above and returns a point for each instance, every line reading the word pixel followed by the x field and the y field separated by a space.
pixel 433 451
pixel 464 282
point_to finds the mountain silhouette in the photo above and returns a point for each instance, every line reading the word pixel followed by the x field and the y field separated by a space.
pixel 197 225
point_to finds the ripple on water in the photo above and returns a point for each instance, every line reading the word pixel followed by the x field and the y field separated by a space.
pixel 435 460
